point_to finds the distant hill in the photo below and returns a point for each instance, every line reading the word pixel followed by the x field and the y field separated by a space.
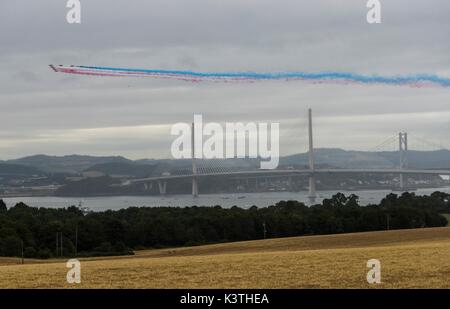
pixel 422 159
pixel 89 187
pixel 124 169
pixel 365 159
pixel 19 170
pixel 65 164
pixel 340 158
pixel 330 157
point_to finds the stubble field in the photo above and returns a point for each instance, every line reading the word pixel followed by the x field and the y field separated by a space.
pixel 409 259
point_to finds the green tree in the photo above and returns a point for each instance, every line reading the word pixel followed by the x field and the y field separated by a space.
pixel 3 207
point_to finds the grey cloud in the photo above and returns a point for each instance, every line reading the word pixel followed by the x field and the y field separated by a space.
pixel 233 35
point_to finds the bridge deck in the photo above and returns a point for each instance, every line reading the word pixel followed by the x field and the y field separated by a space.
pixel 295 172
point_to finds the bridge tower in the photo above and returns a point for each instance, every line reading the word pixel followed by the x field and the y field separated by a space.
pixel 162 186
pixel 403 150
pixel 194 165
pixel 312 179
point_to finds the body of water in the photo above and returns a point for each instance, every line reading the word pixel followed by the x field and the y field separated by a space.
pixel 244 200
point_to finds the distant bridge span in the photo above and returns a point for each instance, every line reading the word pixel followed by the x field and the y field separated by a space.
pixel 297 172
pixel 162 180
pixel 311 171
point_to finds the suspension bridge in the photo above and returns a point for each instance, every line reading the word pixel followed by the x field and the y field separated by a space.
pixel 217 169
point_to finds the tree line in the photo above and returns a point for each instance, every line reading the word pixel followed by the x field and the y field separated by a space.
pixel 37 231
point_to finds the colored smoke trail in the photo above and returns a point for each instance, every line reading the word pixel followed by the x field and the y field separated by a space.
pixel 419 80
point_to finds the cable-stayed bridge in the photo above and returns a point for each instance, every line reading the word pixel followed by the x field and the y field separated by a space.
pixel 216 167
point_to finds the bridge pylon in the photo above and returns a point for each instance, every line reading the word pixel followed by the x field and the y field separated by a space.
pixel 162 186
pixel 403 150
pixel 312 179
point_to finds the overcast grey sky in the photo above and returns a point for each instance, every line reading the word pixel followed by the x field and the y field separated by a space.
pixel 46 112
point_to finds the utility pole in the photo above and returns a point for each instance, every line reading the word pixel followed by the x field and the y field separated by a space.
pixel 61 244
pixel 76 239
pixel 21 242
pixel 264 229
pixel 57 249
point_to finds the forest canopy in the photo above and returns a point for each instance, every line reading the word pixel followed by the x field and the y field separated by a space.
pixel 38 230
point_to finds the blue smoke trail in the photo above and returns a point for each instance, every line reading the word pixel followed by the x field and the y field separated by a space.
pixel 413 80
